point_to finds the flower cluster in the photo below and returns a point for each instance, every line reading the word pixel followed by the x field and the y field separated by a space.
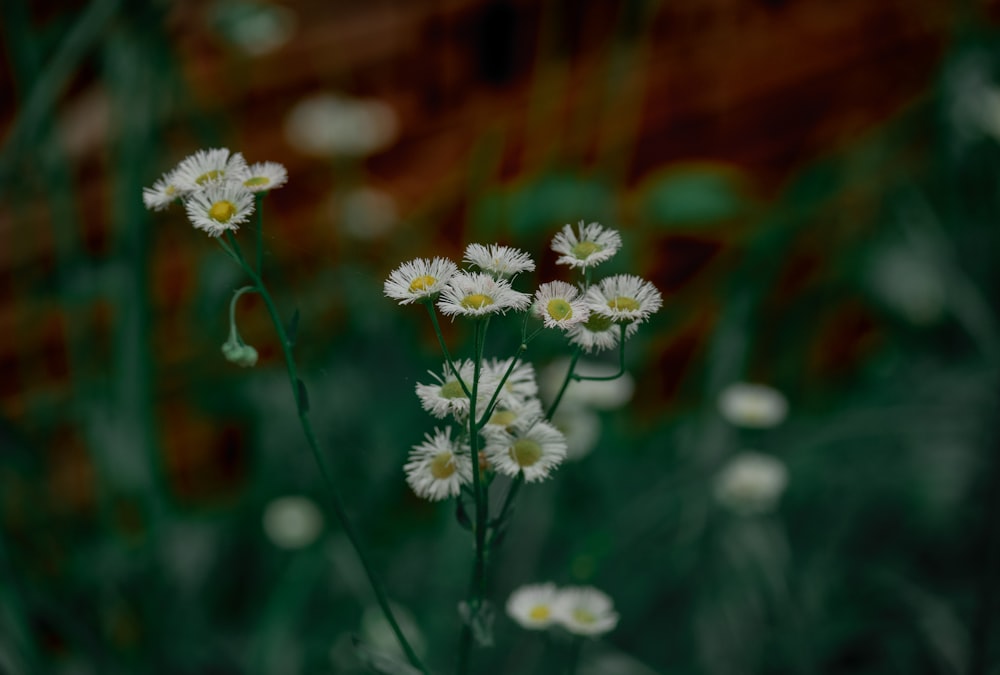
pixel 216 188
pixel 494 403
pixel 580 610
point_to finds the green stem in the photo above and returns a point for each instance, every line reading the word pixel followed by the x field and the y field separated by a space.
pixel 325 472
pixel 496 394
pixel 444 347
pixel 574 654
pixel 562 390
pixel 259 211
pixel 233 333
pixel 621 363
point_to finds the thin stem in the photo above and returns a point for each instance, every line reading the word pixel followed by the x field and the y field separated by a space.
pixel 444 347
pixel 621 363
pixel 562 390
pixel 233 333
pixel 259 211
pixel 325 472
pixel 574 654
pixel 496 394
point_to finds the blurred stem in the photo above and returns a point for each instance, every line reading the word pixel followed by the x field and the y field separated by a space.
pixel 233 333
pixel 259 211
pixel 335 499
pixel 983 620
pixel 621 362
pixel 562 390
pixel 575 647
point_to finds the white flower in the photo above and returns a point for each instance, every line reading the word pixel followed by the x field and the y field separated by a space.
pixel 600 394
pixel 219 207
pixel 755 406
pixel 438 467
pixel 208 166
pixel 335 125
pixel 521 384
pixel 419 279
pixel 559 305
pixel 514 413
pixel 598 333
pixel 163 193
pixel 532 449
pixel 377 632
pixel 581 426
pixel 263 176
pixel 501 261
pixel 446 397
pixel 593 245
pixel 584 610
pixel 751 483
pixel 478 294
pixel 624 298
pixel 531 606
pixel 292 522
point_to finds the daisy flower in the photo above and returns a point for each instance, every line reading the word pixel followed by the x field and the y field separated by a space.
pixel 624 298
pixel 531 606
pixel 219 207
pixel 520 385
pixel 209 166
pixel 446 397
pixel 500 261
pixel 589 246
pixel 264 176
pixel 532 449
pixel 751 483
pixel 559 305
pixel 163 193
pixel 598 333
pixel 438 467
pixel 513 414
pixel 418 279
pixel 584 610
pixel 754 406
pixel 476 294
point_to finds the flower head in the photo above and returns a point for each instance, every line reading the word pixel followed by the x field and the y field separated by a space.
pixel 598 333
pixel 446 397
pixel 513 413
pixel 500 261
pixel 208 166
pixel 419 279
pixel 559 305
pixel 292 521
pixel 754 406
pixel 624 298
pixel 263 176
pixel 163 193
pixel 476 294
pixel 532 449
pixel 531 606
pixel 438 467
pixel 591 245
pixel 521 384
pixel 751 483
pixel 584 611
pixel 219 206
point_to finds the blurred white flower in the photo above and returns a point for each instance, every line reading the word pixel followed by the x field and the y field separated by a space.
pixel 909 284
pixel 754 406
pixel 581 426
pixel 378 634
pixel 264 176
pixel 334 125
pixel 292 522
pixel 531 605
pixel 751 483
pixel 603 395
pixel 364 213
pixel 438 467
pixel 584 611
pixel 257 28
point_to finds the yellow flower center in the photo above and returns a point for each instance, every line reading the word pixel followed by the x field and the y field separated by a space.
pixel 476 301
pixel 585 249
pixel 597 323
pixel 503 418
pixel 222 211
pixel 583 616
pixel 442 466
pixel 210 175
pixel 559 309
pixel 526 452
pixel 623 303
pixel 539 613
pixel 257 181
pixel 422 283
pixel 170 191
pixel 452 390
